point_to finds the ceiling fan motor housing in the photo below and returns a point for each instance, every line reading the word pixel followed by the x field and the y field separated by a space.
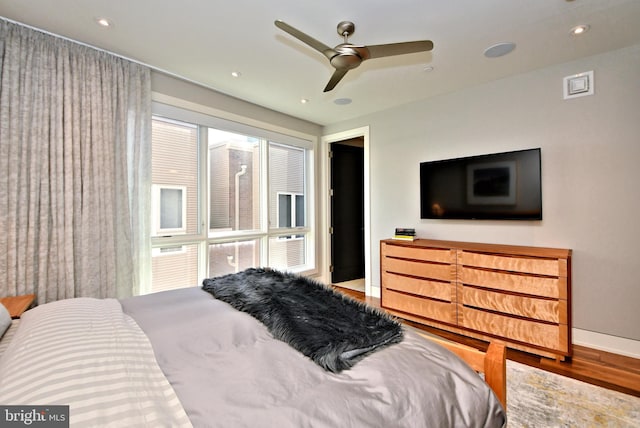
pixel 349 56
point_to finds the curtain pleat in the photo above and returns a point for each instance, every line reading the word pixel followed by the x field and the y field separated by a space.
pixel 75 126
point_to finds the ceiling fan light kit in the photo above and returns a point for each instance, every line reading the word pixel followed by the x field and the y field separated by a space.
pixel 347 56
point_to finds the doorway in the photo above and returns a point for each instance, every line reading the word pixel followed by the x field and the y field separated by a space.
pixel 347 216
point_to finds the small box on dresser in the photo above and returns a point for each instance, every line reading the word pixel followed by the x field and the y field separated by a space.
pixel 514 294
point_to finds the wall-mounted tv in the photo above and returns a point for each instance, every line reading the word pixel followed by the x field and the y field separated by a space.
pixel 499 186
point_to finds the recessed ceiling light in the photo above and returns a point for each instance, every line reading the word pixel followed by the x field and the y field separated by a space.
pixel 428 68
pixel 499 49
pixel 236 74
pixel 304 101
pixel 579 29
pixel 342 101
pixel 103 22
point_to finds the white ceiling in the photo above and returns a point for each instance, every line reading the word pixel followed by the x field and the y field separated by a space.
pixel 205 40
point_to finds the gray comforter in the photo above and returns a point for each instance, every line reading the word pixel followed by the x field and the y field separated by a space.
pixel 228 371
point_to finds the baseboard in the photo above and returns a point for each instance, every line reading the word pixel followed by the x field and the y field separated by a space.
pixel 605 342
pixel 374 291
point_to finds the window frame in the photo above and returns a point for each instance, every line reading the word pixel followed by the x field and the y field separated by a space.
pixel 205 237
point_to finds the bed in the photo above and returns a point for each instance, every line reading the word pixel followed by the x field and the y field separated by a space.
pixel 186 358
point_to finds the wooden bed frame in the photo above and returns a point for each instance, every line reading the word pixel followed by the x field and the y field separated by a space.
pixel 492 363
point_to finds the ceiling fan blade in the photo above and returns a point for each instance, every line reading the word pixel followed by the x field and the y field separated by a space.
pixel 337 76
pixel 315 44
pixel 379 51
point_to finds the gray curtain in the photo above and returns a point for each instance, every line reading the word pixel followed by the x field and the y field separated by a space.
pixel 75 148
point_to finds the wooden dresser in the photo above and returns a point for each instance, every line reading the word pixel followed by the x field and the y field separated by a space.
pixel 520 296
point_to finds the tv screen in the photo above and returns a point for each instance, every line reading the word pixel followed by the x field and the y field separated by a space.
pixel 499 186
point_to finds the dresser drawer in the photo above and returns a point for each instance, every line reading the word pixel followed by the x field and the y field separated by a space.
pixel 442 272
pixel 423 307
pixel 552 287
pixel 545 335
pixel 529 265
pixel 422 287
pixel 528 307
pixel 440 255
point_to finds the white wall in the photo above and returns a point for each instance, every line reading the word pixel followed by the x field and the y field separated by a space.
pixel 590 175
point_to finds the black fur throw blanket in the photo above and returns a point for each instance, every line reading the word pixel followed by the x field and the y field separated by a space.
pixel 332 329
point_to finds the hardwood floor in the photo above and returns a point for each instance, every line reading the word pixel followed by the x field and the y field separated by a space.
pixel 612 371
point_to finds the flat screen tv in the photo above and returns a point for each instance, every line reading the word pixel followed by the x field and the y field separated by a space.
pixel 499 186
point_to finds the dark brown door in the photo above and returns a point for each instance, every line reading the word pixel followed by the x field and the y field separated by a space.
pixel 347 212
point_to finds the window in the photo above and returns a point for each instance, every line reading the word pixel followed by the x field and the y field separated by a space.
pixel 227 196
pixel 169 205
pixel 234 181
pixel 290 210
pixel 174 177
pixel 173 250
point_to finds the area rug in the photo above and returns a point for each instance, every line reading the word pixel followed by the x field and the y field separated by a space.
pixel 540 399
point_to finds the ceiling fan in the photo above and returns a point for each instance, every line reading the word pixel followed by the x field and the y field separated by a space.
pixel 347 56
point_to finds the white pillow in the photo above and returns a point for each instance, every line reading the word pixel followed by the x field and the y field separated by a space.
pixel 5 319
